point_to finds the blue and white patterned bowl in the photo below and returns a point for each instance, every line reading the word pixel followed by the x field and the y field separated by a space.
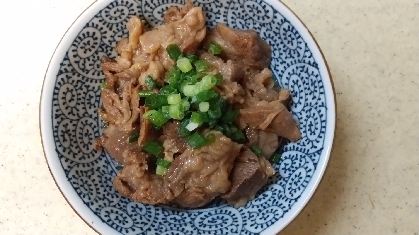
pixel 70 122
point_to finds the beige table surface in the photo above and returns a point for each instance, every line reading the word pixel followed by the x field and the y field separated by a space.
pixel 372 183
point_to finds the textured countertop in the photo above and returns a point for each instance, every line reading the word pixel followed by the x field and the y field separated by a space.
pixel 372 183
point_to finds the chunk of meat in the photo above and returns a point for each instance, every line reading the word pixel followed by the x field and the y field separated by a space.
pixel 278 120
pixel 231 71
pixel 241 45
pixel 137 182
pixel 249 174
pixel 262 85
pixel 174 13
pixel 268 143
pixel 187 33
pixel 115 142
pixel 173 143
pixel 202 170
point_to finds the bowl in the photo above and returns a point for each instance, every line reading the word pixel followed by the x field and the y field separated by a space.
pixel 70 122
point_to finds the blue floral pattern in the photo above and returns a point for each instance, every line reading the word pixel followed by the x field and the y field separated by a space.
pixel 76 122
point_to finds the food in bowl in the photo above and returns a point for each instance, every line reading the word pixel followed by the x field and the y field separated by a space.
pixel 192 114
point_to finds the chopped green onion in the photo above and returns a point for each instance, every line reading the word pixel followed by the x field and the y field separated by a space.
pixel 192 126
pixel 230 116
pixel 256 150
pixel 150 82
pixel 103 85
pixel 182 131
pixel 201 65
pixel 197 118
pixel 161 170
pixel 275 158
pixel 207 82
pixel 210 138
pixel 196 140
pixel 238 136
pixel 152 147
pixel 214 113
pixel 176 111
pixel 165 111
pixel 219 78
pixel 155 101
pixel 203 106
pixel 215 48
pixel 173 51
pixel 205 117
pixel 186 105
pixel 168 89
pixel 156 117
pixel 173 99
pixel 189 90
pixel 145 93
pixel 133 137
pixel 192 58
pixel 162 162
pixel 174 77
pixel 184 65
pixel 205 96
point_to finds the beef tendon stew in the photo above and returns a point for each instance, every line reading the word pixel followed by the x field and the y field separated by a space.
pixel 192 114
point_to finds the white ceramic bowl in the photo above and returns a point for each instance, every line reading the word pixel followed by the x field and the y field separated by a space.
pixel 70 122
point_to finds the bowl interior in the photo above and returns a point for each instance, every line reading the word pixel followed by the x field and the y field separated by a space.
pixel 70 122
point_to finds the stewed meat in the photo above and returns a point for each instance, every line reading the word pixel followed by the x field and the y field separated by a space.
pixel 187 111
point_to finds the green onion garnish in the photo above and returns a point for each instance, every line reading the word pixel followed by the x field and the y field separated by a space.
pixel 192 58
pixel 203 106
pixel 103 85
pixel 256 150
pixel 133 137
pixel 168 89
pixel 173 51
pixel 210 138
pixel 174 99
pixel 219 78
pixel 214 113
pixel 155 101
pixel 174 77
pixel 184 65
pixel 161 170
pixel 176 111
pixel 197 118
pixel 275 158
pixel 214 48
pixel 196 140
pixel 201 65
pixel 145 93
pixel 182 131
pixel 162 162
pixel 205 96
pixel 153 147
pixel 207 82
pixel 230 116
pixel 156 117
pixel 189 90
pixel 150 82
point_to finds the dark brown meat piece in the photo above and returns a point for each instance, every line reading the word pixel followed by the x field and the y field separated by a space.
pixel 241 45
pixel 247 177
pixel 231 71
pixel 137 182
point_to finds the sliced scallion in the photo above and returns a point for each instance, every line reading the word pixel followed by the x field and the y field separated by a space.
pixel 184 65
pixel 173 51
pixel 214 48
pixel 256 150
pixel 203 106
pixel 150 82
pixel 275 158
pixel 153 147
pixel 196 140
pixel 174 99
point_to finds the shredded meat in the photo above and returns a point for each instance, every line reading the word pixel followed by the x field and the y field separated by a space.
pixel 173 143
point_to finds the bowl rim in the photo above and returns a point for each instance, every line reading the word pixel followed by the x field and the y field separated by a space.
pixel 76 202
